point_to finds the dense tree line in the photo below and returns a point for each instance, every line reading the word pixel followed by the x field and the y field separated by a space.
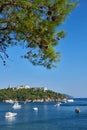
pixel 29 94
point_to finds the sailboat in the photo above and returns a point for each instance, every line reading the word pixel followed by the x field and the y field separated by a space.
pixel 16 105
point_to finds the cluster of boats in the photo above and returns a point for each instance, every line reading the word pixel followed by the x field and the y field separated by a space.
pixel 16 106
pixel 65 101
pixel 77 110
pixel 12 114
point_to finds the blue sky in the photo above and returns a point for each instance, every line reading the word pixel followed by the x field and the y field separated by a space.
pixel 70 76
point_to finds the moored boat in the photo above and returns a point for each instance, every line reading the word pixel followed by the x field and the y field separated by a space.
pixel 58 104
pixel 16 106
pixel 77 110
pixel 10 114
pixel 70 100
pixel 35 108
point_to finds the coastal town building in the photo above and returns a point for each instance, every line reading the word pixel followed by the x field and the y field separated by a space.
pixel 28 87
pixel 22 87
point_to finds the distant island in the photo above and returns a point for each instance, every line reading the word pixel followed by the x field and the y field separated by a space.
pixel 25 93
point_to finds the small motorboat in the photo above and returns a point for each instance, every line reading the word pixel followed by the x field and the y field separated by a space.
pixel 16 106
pixel 58 104
pixel 70 100
pixel 35 108
pixel 10 114
pixel 77 110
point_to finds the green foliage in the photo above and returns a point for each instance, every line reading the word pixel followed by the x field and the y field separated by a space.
pixel 32 23
pixel 29 94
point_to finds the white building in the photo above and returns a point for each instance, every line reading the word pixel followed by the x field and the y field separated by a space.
pixel 22 87
pixel 45 89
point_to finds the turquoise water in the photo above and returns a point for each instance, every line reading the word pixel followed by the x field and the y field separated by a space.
pixel 48 117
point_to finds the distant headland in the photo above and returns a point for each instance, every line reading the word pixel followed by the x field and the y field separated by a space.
pixel 30 94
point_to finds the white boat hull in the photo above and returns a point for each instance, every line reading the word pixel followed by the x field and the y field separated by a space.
pixel 35 108
pixel 16 106
pixel 10 114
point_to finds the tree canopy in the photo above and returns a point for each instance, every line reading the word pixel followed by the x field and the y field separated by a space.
pixel 30 94
pixel 31 24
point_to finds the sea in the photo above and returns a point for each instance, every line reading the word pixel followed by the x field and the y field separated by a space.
pixel 47 117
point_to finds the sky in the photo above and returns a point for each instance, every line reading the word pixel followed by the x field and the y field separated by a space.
pixel 70 77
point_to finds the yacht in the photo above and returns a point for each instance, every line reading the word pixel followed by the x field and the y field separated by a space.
pixel 10 114
pixel 70 100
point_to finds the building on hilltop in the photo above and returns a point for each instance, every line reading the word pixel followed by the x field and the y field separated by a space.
pixel 28 87
pixel 22 87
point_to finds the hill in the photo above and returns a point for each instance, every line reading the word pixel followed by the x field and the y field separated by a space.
pixel 30 94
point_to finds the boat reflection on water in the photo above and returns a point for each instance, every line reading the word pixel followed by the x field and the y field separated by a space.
pixel 11 119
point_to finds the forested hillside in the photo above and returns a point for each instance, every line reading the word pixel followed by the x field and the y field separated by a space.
pixel 31 94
